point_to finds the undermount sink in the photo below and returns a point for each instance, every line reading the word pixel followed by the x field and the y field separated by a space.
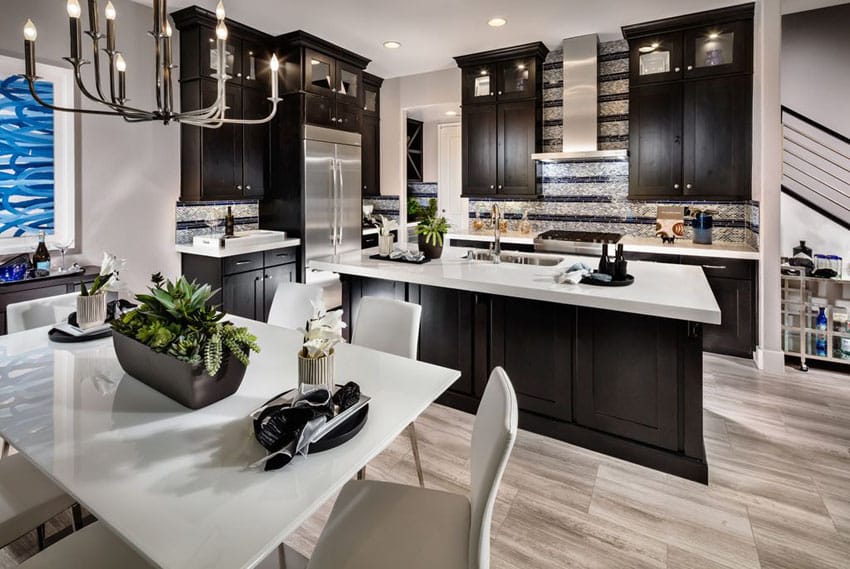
pixel 515 258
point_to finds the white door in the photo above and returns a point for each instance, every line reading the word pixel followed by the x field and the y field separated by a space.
pixel 449 177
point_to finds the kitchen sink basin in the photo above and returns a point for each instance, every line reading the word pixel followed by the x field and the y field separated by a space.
pixel 515 258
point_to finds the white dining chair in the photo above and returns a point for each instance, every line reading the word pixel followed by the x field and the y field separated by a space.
pixel 93 547
pixel 383 525
pixel 391 326
pixel 293 303
pixel 39 312
pixel 27 500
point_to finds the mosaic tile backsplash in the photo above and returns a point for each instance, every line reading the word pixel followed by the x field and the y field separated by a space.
pixel 385 205
pixel 593 195
pixel 192 218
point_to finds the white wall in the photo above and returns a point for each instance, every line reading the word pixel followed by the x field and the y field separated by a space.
pixel 128 175
pixel 397 95
pixel 822 235
pixel 816 65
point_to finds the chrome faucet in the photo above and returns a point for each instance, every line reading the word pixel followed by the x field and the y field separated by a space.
pixel 497 234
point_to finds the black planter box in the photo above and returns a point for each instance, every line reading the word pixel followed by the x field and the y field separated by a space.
pixel 188 384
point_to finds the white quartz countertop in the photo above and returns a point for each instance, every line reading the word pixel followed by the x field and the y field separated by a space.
pixel 669 291
pixel 237 249
pixel 637 244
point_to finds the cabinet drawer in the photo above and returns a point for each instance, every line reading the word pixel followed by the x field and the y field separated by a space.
pixel 242 263
pixel 369 241
pixel 724 268
pixel 279 256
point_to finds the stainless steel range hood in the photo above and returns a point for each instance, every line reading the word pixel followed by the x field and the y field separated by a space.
pixel 581 104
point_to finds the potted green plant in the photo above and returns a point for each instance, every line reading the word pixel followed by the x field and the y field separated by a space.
pixel 176 343
pixel 431 231
pixel 413 209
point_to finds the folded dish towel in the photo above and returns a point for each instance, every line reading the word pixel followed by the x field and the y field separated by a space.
pixel 411 256
pixel 573 274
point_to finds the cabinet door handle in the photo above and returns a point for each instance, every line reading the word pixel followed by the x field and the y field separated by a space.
pixel 247 187
pixel 690 67
pixel 239 75
pixel 500 92
pixel 242 263
pixel 677 69
pixel 677 139
pixel 687 186
pixel 333 89
pixel 492 187
pixel 675 186
pixel 491 93
pixel 500 186
pixel 239 187
pixel 716 267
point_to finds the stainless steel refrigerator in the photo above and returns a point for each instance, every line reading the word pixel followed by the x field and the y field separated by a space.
pixel 332 200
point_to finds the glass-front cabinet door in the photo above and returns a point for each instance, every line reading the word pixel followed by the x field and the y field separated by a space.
pixel 348 85
pixel 516 79
pixel 319 73
pixel 479 84
pixel 718 49
pixel 655 59
pixel 370 100
pixel 255 67
pixel 210 57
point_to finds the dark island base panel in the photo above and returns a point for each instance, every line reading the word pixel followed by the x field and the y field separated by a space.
pixel 625 385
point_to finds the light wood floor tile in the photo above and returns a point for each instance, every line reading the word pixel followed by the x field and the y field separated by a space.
pixel 778 496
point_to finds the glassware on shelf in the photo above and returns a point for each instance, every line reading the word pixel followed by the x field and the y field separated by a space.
pixel 716 49
pixel 213 219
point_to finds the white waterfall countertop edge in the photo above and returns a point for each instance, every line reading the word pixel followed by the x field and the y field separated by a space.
pixel 222 252
pixel 679 292
pixel 684 247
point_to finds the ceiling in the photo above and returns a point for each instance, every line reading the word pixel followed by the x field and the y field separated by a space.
pixel 432 31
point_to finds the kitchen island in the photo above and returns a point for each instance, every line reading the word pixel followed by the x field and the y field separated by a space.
pixel 613 369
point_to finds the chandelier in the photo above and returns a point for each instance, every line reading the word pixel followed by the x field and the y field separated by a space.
pixel 116 103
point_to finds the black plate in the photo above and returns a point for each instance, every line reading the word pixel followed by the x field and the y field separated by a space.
pixel 343 432
pixel 589 281
pixel 379 258
pixel 61 337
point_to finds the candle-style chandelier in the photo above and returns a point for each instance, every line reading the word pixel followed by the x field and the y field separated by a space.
pixel 116 104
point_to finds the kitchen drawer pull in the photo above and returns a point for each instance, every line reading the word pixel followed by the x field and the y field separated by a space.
pixel 690 67
pixel 677 69
pixel 243 262
pixel 717 267
pixel 675 186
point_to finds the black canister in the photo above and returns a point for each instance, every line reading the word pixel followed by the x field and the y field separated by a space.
pixel 703 222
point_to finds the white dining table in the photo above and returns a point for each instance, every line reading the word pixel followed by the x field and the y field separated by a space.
pixel 174 483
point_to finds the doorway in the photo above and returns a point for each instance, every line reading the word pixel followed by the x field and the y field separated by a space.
pixel 449 197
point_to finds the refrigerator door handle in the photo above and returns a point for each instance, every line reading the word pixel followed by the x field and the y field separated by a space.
pixel 332 195
pixel 339 203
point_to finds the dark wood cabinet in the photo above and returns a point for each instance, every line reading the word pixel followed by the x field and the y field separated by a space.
pixel 331 77
pixel 533 342
pixel 230 162
pixel 655 141
pixel 479 138
pixel 501 121
pixel 690 106
pixel 717 144
pixel 624 386
pixel 446 332
pixel 371 135
pixel 246 283
pixel 516 135
pixel 734 284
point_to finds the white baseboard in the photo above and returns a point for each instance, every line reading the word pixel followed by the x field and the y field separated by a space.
pixel 771 361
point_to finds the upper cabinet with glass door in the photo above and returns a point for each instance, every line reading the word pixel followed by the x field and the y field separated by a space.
pixel 319 73
pixel 349 88
pixel 517 79
pixel 479 84
pixel 656 59
pixel 719 49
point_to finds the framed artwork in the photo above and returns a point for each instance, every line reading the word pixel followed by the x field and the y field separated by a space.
pixel 37 190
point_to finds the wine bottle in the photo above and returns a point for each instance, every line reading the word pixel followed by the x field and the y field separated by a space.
pixel 41 257
pixel 605 262
pixel 228 223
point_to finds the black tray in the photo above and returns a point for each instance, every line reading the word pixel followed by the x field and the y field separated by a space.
pixel 61 337
pixel 343 432
pixel 379 258
pixel 589 281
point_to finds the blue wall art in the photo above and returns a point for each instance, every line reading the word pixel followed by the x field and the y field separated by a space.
pixel 36 158
pixel 26 159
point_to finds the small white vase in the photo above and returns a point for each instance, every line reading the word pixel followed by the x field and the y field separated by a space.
pixel 315 372
pixel 91 310
pixel 385 245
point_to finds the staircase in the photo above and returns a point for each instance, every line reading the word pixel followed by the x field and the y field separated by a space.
pixel 816 166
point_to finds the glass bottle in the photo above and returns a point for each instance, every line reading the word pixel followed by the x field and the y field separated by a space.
pixel 477 223
pixel 41 257
pixel 821 323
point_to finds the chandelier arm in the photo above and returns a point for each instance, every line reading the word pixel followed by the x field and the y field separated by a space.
pixel 95 41
pixel 120 109
pixel 112 79
pixel 43 103
pixel 220 122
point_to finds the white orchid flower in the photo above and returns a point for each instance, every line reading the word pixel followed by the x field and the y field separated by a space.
pixel 387 225
pixel 112 265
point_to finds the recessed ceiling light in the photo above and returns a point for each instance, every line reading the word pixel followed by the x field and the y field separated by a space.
pixel 497 22
pixel 392 44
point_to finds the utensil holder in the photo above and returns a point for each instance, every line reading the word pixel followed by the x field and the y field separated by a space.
pixel 316 372
pixel 91 311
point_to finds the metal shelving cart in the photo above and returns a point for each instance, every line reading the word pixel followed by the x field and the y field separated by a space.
pixel 799 332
